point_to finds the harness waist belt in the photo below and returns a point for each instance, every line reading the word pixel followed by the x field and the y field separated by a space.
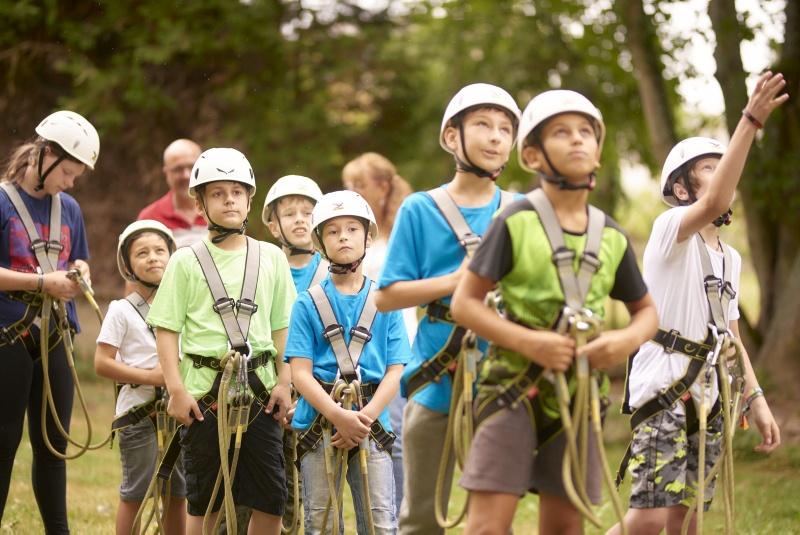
pixel 433 369
pixel 674 342
pixel 216 364
pixel 310 438
pixel 367 389
pixel 438 311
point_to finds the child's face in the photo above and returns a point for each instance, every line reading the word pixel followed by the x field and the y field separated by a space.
pixel 63 176
pixel 344 239
pixel 226 203
pixel 294 214
pixel 571 144
pixel 488 138
pixel 702 171
pixel 148 254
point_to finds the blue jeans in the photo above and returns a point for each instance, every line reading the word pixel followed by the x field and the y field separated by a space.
pixel 396 407
pixel 381 492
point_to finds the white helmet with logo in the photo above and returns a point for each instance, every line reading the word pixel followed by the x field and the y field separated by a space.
pixel 216 165
pixel 337 204
pixel 555 102
pixel 681 157
pixel 134 230
pixel 479 96
pixel 74 134
pixel 286 186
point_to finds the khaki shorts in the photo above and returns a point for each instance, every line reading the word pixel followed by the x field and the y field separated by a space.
pixel 664 462
pixel 503 458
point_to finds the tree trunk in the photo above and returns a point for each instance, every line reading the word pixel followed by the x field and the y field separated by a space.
pixel 647 67
pixel 770 194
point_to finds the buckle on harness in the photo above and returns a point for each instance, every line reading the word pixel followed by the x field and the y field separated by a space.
pixel 248 306
pixel 6 337
pixel 223 304
pixel 469 241
pixel 361 333
pixel 591 260
pixel 247 347
pixel 332 330
pixel 563 256
pixel 669 346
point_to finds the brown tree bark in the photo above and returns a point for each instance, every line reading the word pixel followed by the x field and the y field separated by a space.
pixel 647 67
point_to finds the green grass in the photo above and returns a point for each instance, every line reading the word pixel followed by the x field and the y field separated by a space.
pixel 766 486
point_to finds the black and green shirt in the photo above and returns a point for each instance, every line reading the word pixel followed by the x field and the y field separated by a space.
pixel 516 254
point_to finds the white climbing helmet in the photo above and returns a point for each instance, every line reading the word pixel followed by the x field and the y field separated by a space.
pixel 134 229
pixel 286 186
pixel 479 95
pixel 337 204
pixel 681 156
pixel 555 102
pixel 74 134
pixel 216 165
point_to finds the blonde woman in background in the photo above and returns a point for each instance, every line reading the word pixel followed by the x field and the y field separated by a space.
pixel 375 178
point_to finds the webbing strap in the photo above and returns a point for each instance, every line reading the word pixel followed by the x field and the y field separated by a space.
pixel 347 356
pixel 575 285
pixel 141 306
pixel 307 440
pixel 320 273
pixel 719 292
pixel 235 315
pixel 46 252
pixel 449 209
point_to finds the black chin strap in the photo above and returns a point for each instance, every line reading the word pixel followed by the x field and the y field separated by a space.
pixel 224 233
pixel 470 167
pixel 293 249
pixel 561 181
pixel 49 169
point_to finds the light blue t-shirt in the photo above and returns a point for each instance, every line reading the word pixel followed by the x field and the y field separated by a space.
pixel 423 246
pixel 388 346
pixel 303 276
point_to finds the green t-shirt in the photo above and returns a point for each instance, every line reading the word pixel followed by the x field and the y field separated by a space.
pixel 516 254
pixel 184 304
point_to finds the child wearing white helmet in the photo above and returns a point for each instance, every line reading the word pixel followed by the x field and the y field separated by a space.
pixel 287 213
pixel 694 279
pixel 531 251
pixel 126 353
pixel 434 233
pixel 228 291
pixel 42 237
pixel 346 361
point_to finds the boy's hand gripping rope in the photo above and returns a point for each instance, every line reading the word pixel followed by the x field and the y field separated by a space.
pixel 232 419
pixel 582 327
pixel 345 395
pixel 731 410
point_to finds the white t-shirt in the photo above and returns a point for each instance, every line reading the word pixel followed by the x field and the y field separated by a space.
pixel 674 277
pixel 125 329
pixel 373 262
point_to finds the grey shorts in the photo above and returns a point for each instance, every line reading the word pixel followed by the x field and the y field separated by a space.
pixel 664 461
pixel 503 458
pixel 138 450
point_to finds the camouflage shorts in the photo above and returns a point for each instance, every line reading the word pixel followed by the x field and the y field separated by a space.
pixel 664 463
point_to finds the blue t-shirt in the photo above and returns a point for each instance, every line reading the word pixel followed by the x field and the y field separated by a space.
pixel 423 246
pixel 303 276
pixel 15 246
pixel 388 346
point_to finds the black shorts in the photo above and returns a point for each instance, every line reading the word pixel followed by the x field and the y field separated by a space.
pixel 259 482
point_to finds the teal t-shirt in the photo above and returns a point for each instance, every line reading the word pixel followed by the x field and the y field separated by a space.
pixel 184 304
pixel 303 276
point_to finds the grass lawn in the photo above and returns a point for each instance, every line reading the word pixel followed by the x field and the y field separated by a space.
pixel 767 487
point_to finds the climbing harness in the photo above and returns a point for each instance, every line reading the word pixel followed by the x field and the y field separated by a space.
pixel 295 479
pixel 237 365
pixel 41 306
pixel 573 411
pixel 434 368
pixel 706 357
pixel 320 273
pixel 347 390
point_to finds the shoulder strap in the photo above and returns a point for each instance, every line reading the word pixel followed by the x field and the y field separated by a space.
pixel 574 285
pixel 140 305
pixel 320 273
pixel 718 292
pixel 347 356
pixel 506 198
pixel 46 252
pixel 449 209
pixel 235 315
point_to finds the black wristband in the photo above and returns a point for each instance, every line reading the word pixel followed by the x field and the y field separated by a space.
pixel 752 119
